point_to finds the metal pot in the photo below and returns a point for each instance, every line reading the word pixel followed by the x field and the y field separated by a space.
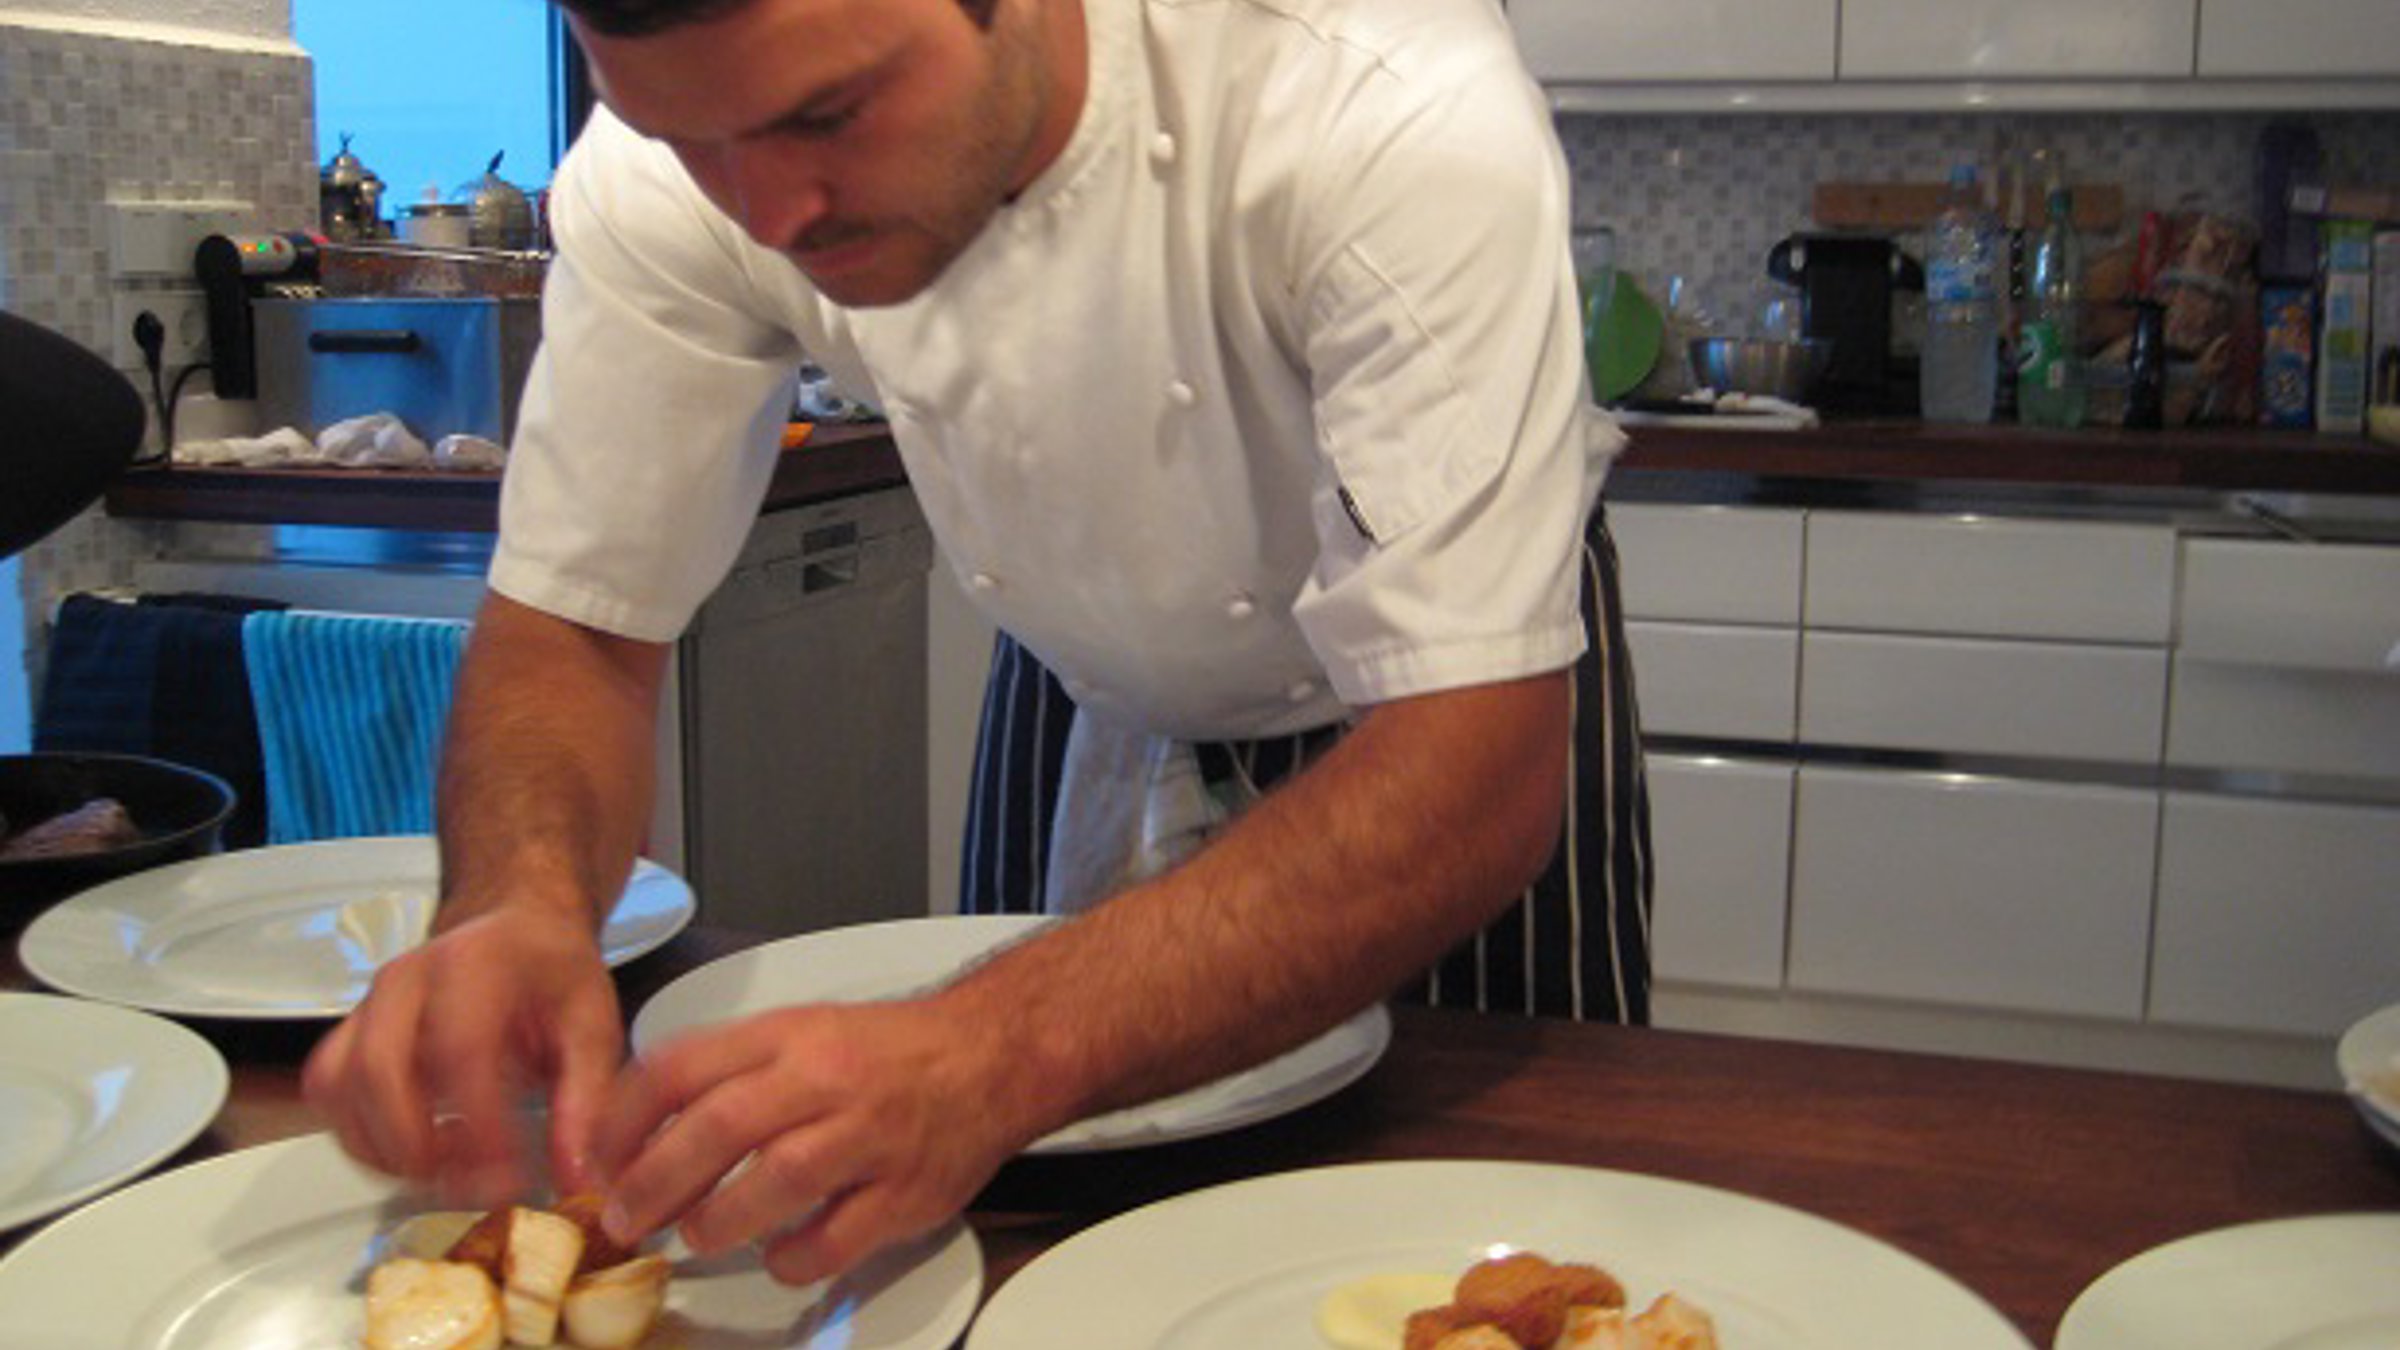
pixel 499 214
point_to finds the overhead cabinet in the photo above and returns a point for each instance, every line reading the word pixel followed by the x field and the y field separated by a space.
pixel 2300 38
pixel 2016 39
pixel 1896 53
pixel 1605 41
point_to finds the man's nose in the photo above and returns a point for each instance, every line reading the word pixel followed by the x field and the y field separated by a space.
pixel 776 191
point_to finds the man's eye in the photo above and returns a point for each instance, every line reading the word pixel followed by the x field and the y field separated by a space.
pixel 821 123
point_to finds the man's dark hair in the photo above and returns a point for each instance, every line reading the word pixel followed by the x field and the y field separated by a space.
pixel 638 18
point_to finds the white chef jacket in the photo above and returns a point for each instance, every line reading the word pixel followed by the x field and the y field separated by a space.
pixel 1265 401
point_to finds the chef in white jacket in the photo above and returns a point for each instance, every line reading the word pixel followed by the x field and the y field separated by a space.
pixel 1231 348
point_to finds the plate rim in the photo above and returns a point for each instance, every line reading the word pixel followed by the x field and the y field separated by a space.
pixel 2073 1332
pixel 1373 1024
pixel 216 1077
pixel 957 1313
pixel 1065 1254
pixel 81 907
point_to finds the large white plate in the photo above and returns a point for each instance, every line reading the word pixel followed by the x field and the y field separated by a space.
pixel 268 1248
pixel 2329 1282
pixel 292 931
pixel 2369 1058
pixel 1246 1264
pixel 874 961
pixel 91 1095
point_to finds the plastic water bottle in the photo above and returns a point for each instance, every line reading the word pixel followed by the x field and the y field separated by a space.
pixel 1959 365
pixel 2050 388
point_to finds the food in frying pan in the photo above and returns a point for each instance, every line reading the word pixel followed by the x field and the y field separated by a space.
pixel 94 827
pixel 539 1277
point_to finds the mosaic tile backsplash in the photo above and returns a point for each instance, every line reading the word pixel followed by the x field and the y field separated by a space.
pixel 85 119
pixel 1705 197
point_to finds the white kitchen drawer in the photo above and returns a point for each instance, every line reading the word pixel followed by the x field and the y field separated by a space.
pixel 1983 892
pixel 1981 576
pixel 2309 606
pixel 1720 836
pixel 2309 39
pixel 2249 717
pixel 2275 915
pixel 2053 700
pixel 2015 39
pixel 1716 680
pixel 1570 41
pixel 1712 564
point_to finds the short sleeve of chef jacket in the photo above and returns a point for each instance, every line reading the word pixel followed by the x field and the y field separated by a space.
pixel 653 412
pixel 1442 337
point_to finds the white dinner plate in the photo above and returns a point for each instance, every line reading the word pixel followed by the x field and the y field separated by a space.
pixel 92 1095
pixel 874 961
pixel 291 931
pixel 2328 1282
pixel 1247 1264
pixel 268 1249
pixel 2369 1058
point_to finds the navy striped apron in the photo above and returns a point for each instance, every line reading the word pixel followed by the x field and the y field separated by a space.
pixel 1577 942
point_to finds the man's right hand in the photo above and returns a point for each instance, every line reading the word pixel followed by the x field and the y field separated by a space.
pixel 427 1078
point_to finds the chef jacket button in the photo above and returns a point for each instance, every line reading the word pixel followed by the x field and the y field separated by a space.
pixel 1162 149
pixel 984 582
pixel 1241 607
pixel 1301 691
pixel 1182 395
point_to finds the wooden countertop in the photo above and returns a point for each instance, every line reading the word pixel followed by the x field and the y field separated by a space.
pixel 2221 459
pixel 2024 1183
pixel 840 460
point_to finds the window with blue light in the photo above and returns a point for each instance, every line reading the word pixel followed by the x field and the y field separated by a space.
pixel 429 92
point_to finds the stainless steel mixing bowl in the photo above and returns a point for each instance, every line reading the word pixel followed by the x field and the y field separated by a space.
pixel 1786 370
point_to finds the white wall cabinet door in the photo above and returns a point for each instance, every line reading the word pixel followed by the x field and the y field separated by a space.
pixel 1720 840
pixel 2018 39
pixel 2275 916
pixel 1980 892
pixel 1646 41
pixel 2300 38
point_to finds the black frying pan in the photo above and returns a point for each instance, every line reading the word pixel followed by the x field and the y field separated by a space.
pixel 69 424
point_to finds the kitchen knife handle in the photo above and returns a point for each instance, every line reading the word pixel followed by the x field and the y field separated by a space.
pixel 399 341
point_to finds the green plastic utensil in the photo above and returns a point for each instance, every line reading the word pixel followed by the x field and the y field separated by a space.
pixel 1622 344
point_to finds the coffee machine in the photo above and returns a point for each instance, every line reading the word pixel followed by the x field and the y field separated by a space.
pixel 1847 285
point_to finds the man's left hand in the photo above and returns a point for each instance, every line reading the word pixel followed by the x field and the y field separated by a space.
pixel 828 1131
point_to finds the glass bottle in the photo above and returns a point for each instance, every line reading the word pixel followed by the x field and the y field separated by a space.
pixel 2050 384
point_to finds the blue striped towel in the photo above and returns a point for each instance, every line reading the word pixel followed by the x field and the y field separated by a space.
pixel 350 713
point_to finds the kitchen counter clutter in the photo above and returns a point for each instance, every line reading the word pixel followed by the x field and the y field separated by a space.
pixel 835 461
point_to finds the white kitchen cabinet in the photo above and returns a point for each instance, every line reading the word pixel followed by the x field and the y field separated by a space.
pixel 1720 836
pixel 2287 659
pixel 2056 700
pixel 1982 892
pixel 1648 41
pixel 1715 679
pixel 1710 564
pixel 2308 39
pixel 1989 576
pixel 2017 39
pixel 2278 916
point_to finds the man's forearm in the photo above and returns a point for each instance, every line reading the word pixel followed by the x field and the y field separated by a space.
pixel 547 764
pixel 1404 840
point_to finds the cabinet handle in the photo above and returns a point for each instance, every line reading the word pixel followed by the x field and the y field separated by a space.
pixel 398 341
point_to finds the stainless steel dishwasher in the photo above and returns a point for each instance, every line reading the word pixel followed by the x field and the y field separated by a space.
pixel 803 721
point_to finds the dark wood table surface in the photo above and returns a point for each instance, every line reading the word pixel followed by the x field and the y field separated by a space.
pixel 2026 1183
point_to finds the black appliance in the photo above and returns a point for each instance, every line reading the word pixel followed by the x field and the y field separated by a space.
pixel 234 270
pixel 1846 287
